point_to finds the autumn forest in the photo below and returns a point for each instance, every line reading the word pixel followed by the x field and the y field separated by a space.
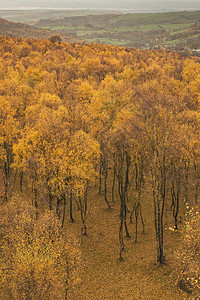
pixel 99 153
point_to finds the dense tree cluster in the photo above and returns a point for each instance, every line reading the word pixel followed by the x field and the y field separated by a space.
pixel 71 113
pixel 38 261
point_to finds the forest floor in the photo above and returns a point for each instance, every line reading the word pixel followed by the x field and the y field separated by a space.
pixel 103 276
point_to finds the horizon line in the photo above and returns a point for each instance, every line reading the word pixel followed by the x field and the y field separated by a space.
pixel 103 9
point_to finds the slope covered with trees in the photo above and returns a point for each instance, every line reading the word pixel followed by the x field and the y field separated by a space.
pixel 120 122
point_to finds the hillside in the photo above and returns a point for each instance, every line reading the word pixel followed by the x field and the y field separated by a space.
pixel 30 17
pixel 27 31
pixel 170 30
pixel 142 30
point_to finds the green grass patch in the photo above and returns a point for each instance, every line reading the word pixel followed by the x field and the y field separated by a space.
pixel 137 28
pixel 107 41
pixel 89 32
pixel 160 18
pixel 175 42
pixel 58 28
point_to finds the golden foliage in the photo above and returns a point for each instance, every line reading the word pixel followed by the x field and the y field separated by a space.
pixel 38 261
pixel 188 260
pixel 65 107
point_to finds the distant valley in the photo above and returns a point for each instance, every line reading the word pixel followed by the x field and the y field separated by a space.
pixel 171 30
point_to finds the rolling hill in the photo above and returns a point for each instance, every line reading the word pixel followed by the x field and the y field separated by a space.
pixel 169 30
pixel 27 31
pixel 142 30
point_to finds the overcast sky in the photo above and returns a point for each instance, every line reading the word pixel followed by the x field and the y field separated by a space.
pixel 112 4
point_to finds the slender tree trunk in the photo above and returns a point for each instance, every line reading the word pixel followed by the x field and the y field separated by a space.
pixel 175 192
pixel 34 191
pixel 136 221
pixel 21 181
pixel 14 182
pixel 113 184
pixel 66 292
pixel 58 207
pixel 96 169
pixel 123 181
pixel 7 172
pixel 50 198
pixel 35 198
pixel 156 221
pixel 35 201
pixel 143 231
pixel 159 202
pixel 137 206
pixel 159 246
pixel 197 191
pixel 136 176
pixel 105 186
pixel 100 173
pixel 71 206
pixel 83 212
pixel 197 170
pixel 64 209
pixel 186 181
pixel 86 198
pixel 121 239
pixel 163 198
pixel 131 216
pixel 125 225
pixel 122 221
pixel 78 206
pixel 6 189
